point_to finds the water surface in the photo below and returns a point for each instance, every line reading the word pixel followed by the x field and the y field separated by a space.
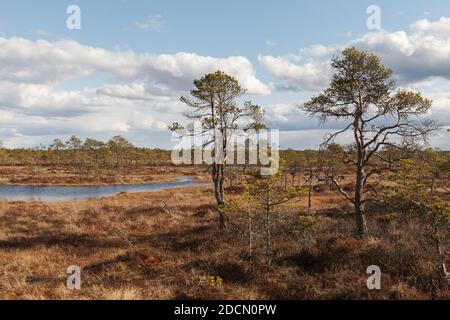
pixel 64 193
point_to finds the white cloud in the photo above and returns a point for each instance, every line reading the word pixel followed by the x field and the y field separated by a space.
pixel 152 22
pixel 41 32
pixel 270 43
pixel 316 52
pixel 43 62
pixel 419 58
pixel 440 111
pixel 134 91
pixel 422 54
pixel 309 76
pixel 437 28
pixel 290 117
pixel 308 139
pixel 140 94
pixel 311 139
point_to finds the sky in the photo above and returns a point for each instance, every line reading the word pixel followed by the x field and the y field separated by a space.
pixel 124 71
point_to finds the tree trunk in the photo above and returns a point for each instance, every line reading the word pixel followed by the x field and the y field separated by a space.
pixel 218 179
pixel 309 197
pixel 360 173
pixel 361 222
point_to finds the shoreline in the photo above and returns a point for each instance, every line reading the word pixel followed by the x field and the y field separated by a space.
pixel 116 195
pixel 100 184
pixel 70 177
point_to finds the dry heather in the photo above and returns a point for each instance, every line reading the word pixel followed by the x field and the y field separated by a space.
pixel 166 245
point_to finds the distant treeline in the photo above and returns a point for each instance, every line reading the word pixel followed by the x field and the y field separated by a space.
pixel 116 152
pixel 119 152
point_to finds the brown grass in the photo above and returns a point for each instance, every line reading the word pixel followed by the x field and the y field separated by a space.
pixel 72 176
pixel 166 245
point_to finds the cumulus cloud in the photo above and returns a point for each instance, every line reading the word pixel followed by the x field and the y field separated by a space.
pixel 16 127
pixel 309 76
pixel 44 62
pixel 32 110
pixel 38 99
pixel 139 92
pixel 420 60
pixel 308 70
pixel 296 73
pixel 135 91
pixel 421 54
pixel 290 117
pixel 440 111
pixel 316 52
pixel 312 139
pixel 417 56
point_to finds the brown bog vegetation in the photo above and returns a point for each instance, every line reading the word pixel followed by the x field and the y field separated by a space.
pixel 310 231
pixel 166 245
